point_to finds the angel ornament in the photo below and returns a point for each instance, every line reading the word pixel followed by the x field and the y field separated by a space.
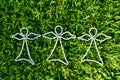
pixel 25 36
pixel 58 36
pixel 93 38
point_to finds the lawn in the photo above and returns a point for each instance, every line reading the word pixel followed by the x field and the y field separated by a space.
pixel 75 16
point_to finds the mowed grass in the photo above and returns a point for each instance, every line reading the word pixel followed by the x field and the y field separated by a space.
pixel 76 16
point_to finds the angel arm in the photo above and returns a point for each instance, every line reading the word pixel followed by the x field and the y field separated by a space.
pixel 33 34
pixel 85 37
pixel 18 34
pixel 103 35
pixel 47 35
pixel 71 36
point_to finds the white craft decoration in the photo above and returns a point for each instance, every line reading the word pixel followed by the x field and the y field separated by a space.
pixel 25 37
pixel 93 39
pixel 58 36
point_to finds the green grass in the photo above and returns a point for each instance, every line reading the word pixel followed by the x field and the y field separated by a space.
pixel 76 16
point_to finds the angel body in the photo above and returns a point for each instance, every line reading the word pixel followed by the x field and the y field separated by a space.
pixel 25 37
pixel 58 36
pixel 93 39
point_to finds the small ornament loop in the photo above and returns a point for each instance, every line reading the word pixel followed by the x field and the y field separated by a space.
pixel 93 30
pixel 21 31
pixel 56 31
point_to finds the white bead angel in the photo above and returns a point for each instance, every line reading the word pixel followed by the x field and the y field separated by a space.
pixel 93 38
pixel 58 36
pixel 25 37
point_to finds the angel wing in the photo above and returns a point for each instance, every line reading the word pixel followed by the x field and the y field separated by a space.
pixel 49 35
pixel 103 36
pixel 18 36
pixel 33 36
pixel 85 37
pixel 68 35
